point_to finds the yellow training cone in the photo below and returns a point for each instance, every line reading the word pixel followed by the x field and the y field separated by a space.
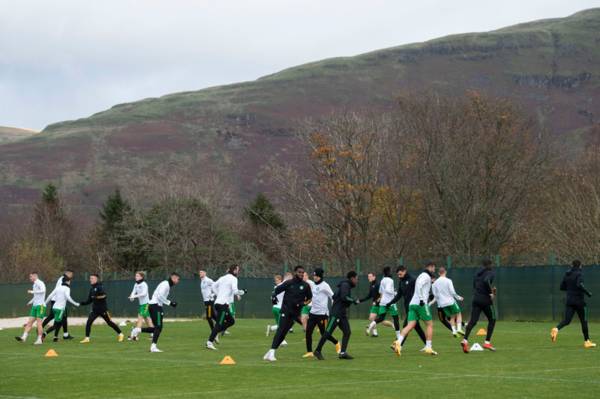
pixel 481 332
pixel 51 353
pixel 227 360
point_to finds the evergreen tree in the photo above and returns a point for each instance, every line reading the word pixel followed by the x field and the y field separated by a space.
pixel 262 213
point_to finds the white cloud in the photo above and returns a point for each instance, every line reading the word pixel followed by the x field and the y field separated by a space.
pixel 68 59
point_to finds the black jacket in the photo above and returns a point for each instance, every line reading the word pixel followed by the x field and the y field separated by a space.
pixel 97 297
pixel 342 299
pixel 573 283
pixel 373 293
pixel 482 286
pixel 297 293
pixel 406 289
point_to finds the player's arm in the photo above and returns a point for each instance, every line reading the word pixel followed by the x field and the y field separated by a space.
pixel 162 296
pixel 237 291
pixel 453 292
pixel 345 294
pixel 582 287
pixel 89 298
pixel 422 293
pixel 51 296
pixel 133 295
pixel 100 294
pixel 68 295
pixel 281 288
pixel 308 294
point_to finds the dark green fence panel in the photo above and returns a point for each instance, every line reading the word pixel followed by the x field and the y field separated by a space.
pixel 524 293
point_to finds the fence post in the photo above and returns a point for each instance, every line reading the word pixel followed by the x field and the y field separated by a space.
pixel 448 262
pixel 358 266
pixel 285 267
pixel 497 257
pixel 552 259
pixel 401 261
pixel 324 265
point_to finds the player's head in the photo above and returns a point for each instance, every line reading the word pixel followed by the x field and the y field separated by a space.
pixel 174 278
pixel 318 274
pixel 486 263
pixel 277 279
pixel 352 277
pixel 371 277
pixel 94 278
pixel 69 274
pixel 387 271
pixel 442 271
pixel 430 267
pixel 401 271
pixel 202 273
pixel 140 276
pixel 33 276
pixel 288 276
pixel 576 264
pixel 299 272
pixel 234 269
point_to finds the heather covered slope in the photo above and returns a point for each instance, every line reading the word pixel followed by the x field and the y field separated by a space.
pixel 551 67
pixel 9 134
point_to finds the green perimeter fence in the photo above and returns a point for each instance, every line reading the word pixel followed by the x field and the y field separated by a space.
pixel 524 294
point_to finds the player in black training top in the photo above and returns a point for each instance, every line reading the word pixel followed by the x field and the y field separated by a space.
pixel 573 283
pixel 97 297
pixel 406 290
pixel 374 296
pixel 483 301
pixel 339 315
pixel 297 294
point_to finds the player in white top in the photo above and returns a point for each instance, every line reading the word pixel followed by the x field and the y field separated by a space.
pixel 387 294
pixel 446 297
pixel 225 290
pixel 60 296
pixel 208 298
pixel 38 309
pixel 160 297
pixel 140 292
pixel 68 274
pixel 418 309
pixel 322 294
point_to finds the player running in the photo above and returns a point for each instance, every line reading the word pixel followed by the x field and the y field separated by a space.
pixel 160 297
pixel 68 275
pixel 483 301
pixel 206 284
pixel 374 296
pixel 386 304
pixel 297 293
pixel 406 291
pixel 97 297
pixel 319 311
pixel 225 289
pixel 418 309
pixel 572 283
pixel 38 309
pixel 60 296
pixel 339 316
pixel 140 291
pixel 446 297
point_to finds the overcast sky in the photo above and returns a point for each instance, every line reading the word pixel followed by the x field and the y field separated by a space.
pixel 68 59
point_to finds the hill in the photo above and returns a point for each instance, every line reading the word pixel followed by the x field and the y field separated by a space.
pixel 550 67
pixel 9 134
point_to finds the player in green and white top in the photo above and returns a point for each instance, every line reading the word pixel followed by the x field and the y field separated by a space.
pixel 418 309
pixel 446 297
pixel 38 309
pixel 140 291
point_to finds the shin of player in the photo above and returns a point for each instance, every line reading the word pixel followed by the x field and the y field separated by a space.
pixel 160 297
pixel 140 292
pixel 418 309
pixel 38 308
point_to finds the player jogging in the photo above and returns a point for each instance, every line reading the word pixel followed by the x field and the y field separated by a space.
pixel 319 311
pixel 160 297
pixel 386 305
pixel 418 309
pixel 38 309
pixel 297 293
pixel 60 296
pixel 483 301
pixel 374 296
pixel 68 274
pixel 206 284
pixel 339 316
pixel 97 297
pixel 225 289
pixel 446 297
pixel 276 308
pixel 572 283
pixel 140 291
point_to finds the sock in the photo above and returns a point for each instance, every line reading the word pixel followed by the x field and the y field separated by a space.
pixel 487 342
pixel 372 325
pixel 271 352
pixel 453 329
pixel 400 339
pixel 273 328
pixel 428 344
pixel 24 336
pixel 398 335
pixel 65 335
pixel 375 332
pixel 153 345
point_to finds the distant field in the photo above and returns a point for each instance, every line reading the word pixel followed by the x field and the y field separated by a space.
pixel 526 365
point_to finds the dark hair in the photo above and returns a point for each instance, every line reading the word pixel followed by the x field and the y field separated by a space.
pixel 319 272
pixel 33 272
pixel 387 271
pixel 298 268
pixel 400 268
pixel 429 263
pixel 95 275
pixel 373 273
pixel 230 269
pixel 351 274
pixel 576 263
pixel 442 269
pixel 486 263
pixel 175 274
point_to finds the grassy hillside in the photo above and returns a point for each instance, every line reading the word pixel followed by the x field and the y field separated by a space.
pixel 550 67
pixel 8 134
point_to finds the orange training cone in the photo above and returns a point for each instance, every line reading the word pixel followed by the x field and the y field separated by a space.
pixel 227 360
pixel 481 332
pixel 51 353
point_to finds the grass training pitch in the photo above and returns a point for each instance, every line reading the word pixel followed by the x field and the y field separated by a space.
pixel 526 365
